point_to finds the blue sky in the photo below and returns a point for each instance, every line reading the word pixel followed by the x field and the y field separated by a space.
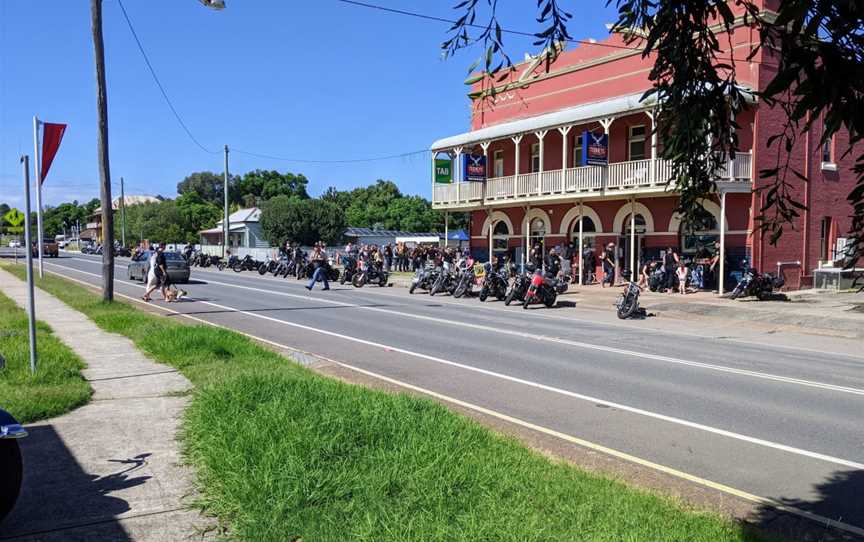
pixel 317 80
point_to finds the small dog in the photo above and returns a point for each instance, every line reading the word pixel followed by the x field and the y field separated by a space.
pixel 175 294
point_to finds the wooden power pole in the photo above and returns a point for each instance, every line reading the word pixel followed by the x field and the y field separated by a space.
pixel 102 151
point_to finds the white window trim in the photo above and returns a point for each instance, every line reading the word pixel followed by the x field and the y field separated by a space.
pixel 636 139
pixel 577 151
pixel 829 166
pixel 498 157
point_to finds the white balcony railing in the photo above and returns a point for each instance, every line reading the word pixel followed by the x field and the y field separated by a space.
pixel 633 176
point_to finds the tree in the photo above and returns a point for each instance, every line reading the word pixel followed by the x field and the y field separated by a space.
pixel 208 186
pixel 817 46
pixel 303 221
pixel 263 185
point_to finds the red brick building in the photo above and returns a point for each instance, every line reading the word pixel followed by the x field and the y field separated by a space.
pixel 537 190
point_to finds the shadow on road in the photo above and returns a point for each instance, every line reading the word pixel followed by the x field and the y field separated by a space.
pixel 839 498
pixel 59 500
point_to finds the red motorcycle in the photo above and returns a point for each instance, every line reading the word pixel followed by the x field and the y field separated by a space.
pixel 544 290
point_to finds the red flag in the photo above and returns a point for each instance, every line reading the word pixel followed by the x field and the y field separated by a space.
pixel 52 135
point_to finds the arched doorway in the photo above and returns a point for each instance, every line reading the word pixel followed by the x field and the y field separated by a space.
pixel 589 231
pixel 536 235
pixel 627 237
pixel 500 237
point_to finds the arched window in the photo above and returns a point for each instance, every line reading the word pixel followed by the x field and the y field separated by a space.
pixel 588 231
pixel 640 224
pixel 702 237
pixel 500 235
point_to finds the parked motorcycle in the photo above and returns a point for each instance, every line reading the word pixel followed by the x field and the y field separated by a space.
pixel 350 270
pixel 757 284
pixel 519 286
pixel 11 464
pixel 494 284
pixel 446 282
pixel 247 263
pixel 370 274
pixel 424 278
pixel 544 290
pixel 465 278
pixel 627 304
pixel 268 266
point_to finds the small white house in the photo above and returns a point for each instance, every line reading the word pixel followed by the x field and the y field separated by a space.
pixel 245 232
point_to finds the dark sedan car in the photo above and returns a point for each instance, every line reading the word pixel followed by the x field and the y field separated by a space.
pixel 178 268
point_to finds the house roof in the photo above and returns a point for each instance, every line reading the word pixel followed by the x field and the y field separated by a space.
pixel 218 229
pixel 252 214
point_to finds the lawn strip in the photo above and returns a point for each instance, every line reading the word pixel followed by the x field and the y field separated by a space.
pixel 282 452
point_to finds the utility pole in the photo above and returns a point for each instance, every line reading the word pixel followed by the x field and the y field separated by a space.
pixel 102 152
pixel 122 214
pixel 226 226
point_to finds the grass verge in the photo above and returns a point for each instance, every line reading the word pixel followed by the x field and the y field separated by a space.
pixel 56 388
pixel 281 452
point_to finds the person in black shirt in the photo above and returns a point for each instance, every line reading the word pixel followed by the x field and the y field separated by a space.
pixel 670 265
pixel 162 271
pixel 609 265
pixel 588 264
pixel 553 263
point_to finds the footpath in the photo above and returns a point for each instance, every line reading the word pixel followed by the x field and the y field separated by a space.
pixel 110 470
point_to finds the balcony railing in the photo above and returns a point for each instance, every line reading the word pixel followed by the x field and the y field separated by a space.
pixel 622 177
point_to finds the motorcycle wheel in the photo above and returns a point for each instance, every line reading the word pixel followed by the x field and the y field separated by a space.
pixel 412 288
pixel 334 275
pixel 526 302
pixel 550 301
pixel 11 473
pixel 262 269
pixel 762 295
pixel 220 266
pixel 460 290
pixel 627 307
pixel 358 280
pixel 237 268
pixel 510 296
pixel 735 293
pixel 484 293
pixel 343 277
pixel 382 282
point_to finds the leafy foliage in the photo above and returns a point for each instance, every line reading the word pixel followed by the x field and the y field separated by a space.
pixel 818 48
pixel 258 186
pixel 304 221
pixel 208 186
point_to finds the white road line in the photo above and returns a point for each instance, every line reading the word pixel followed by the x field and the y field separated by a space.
pixel 483 306
pixel 567 342
pixel 516 421
pixel 552 389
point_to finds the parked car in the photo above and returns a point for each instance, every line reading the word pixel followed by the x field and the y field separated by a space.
pixel 11 467
pixel 178 267
pixel 14 244
pixel 49 248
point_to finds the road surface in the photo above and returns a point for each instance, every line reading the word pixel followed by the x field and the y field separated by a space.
pixel 759 421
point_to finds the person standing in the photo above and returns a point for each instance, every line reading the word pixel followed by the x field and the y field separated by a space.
pixel 670 264
pixel 682 278
pixel 588 265
pixel 609 265
pixel 388 257
pixel 319 260
pixel 152 277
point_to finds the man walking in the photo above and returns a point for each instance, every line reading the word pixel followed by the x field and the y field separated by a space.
pixel 319 260
pixel 609 265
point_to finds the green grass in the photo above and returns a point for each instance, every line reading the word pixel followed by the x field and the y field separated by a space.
pixel 57 387
pixel 282 452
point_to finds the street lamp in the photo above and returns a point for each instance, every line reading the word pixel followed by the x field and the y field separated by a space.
pixel 102 145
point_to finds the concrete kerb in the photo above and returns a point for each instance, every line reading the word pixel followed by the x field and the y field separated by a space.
pixel 113 466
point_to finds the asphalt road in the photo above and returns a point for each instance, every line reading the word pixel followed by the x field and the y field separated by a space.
pixel 762 421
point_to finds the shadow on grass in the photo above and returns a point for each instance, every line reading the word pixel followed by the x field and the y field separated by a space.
pixel 59 500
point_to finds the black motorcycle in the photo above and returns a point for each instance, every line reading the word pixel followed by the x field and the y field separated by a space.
pixel 757 284
pixel 446 282
pixel 464 280
pixel 424 278
pixel 627 304
pixel 519 286
pixel 494 284
pixel 544 290
pixel 11 464
pixel 268 266
pixel 371 274
pixel 349 270
pixel 247 263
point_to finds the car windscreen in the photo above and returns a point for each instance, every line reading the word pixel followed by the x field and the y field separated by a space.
pixel 173 256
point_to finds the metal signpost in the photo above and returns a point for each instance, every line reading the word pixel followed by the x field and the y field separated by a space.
pixel 29 254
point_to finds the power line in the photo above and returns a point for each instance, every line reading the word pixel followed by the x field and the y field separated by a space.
pixel 159 84
pixel 350 161
pixel 482 27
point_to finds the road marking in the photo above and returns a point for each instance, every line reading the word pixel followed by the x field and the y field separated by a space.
pixel 778 505
pixel 483 306
pixel 569 342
